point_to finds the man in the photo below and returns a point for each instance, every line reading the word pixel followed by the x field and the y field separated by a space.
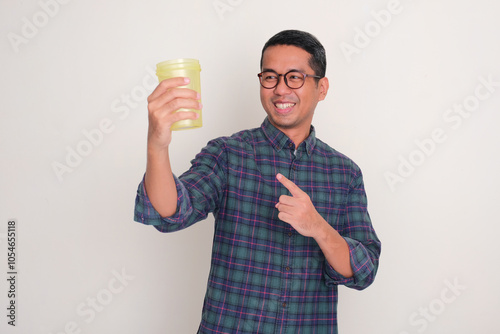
pixel 291 219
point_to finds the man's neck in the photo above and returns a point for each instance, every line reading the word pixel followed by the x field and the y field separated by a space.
pixel 297 135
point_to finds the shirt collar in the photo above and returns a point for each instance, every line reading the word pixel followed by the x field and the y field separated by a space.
pixel 279 140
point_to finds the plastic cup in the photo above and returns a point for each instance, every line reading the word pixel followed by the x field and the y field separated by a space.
pixel 183 68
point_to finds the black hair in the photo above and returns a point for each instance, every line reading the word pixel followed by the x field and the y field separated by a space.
pixel 305 41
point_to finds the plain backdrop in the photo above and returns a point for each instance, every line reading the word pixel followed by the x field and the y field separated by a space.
pixel 414 99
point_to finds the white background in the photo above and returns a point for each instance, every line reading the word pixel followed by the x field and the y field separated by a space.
pixel 66 73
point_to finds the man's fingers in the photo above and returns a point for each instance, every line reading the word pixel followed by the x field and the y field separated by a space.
pixel 166 85
pixel 174 95
pixel 283 216
pixel 175 105
pixel 183 115
pixel 287 200
pixel 292 187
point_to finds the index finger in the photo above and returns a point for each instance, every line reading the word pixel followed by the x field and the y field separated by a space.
pixel 292 187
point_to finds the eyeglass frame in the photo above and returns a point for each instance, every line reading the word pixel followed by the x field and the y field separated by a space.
pixel 284 78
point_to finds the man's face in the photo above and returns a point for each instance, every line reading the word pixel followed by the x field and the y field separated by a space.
pixel 291 110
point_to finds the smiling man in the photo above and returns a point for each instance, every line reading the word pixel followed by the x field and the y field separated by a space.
pixel 291 219
pixel 290 104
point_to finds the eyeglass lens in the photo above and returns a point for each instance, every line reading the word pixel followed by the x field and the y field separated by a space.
pixel 293 79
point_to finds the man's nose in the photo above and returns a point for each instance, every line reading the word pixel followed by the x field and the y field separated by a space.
pixel 281 88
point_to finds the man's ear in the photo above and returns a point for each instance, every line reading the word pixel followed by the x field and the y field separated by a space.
pixel 323 86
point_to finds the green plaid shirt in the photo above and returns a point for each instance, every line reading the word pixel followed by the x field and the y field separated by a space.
pixel 264 276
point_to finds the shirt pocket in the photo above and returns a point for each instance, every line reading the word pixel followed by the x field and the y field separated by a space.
pixel 330 204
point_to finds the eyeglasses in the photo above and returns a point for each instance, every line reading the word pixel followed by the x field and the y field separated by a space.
pixel 293 79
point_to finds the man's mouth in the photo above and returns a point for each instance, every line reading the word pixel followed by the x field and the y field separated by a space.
pixel 284 107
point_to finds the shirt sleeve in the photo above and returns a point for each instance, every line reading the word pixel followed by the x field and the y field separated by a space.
pixel 198 192
pixel 364 245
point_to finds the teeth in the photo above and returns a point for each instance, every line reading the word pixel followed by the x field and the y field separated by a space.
pixel 284 105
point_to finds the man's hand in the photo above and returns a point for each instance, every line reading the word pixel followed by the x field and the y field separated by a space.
pixel 298 210
pixel 163 104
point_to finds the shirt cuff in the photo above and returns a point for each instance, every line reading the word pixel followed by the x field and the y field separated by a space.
pixel 332 277
pixel 361 266
pixel 146 214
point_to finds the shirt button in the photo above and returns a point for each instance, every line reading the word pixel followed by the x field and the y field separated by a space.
pixel 284 304
pixel 290 234
pixel 287 268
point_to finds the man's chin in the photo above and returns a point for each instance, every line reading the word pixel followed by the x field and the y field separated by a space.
pixel 280 121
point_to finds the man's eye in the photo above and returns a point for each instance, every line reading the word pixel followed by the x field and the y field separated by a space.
pixel 295 76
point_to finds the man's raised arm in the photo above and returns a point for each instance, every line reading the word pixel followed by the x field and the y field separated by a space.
pixel 163 104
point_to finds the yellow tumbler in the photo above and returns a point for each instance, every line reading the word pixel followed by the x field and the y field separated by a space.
pixel 183 68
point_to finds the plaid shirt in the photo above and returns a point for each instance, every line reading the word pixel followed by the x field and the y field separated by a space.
pixel 264 276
